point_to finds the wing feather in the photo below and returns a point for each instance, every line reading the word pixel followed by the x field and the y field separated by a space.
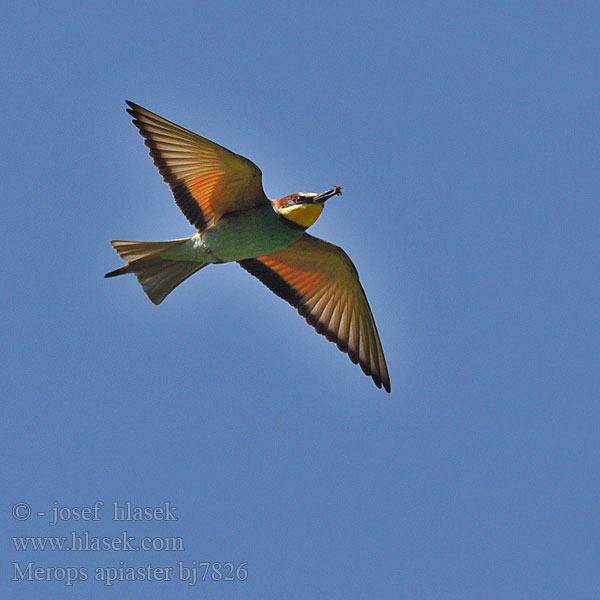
pixel 206 179
pixel 320 280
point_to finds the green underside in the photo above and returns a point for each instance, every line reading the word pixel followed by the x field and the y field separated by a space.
pixel 246 234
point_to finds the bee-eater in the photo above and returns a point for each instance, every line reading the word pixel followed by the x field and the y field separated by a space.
pixel 221 194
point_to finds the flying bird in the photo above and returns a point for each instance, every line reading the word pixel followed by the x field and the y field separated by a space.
pixel 222 196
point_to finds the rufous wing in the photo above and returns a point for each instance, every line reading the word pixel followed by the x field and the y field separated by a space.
pixel 206 179
pixel 320 280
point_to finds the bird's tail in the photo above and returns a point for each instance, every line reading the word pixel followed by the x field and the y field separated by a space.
pixel 157 275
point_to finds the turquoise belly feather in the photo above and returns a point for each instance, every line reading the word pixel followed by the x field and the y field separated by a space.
pixel 237 236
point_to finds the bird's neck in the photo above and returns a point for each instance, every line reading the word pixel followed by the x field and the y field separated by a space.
pixel 303 215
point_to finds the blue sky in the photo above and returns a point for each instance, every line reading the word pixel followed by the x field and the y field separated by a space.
pixel 466 138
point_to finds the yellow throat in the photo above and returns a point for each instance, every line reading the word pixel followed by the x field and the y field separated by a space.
pixel 302 214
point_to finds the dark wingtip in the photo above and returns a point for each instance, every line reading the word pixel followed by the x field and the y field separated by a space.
pixel 134 109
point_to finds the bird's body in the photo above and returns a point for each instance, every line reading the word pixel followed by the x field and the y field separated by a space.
pixel 240 235
pixel 221 194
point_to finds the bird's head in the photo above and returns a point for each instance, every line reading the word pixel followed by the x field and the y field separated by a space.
pixel 304 208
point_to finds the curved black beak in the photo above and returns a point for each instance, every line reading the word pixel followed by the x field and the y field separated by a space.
pixel 334 191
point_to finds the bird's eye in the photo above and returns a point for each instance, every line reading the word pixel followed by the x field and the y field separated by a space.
pixel 298 200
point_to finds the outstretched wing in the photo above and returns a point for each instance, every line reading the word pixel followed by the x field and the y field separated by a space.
pixel 320 280
pixel 206 179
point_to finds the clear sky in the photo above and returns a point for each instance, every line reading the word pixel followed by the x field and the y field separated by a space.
pixel 466 138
